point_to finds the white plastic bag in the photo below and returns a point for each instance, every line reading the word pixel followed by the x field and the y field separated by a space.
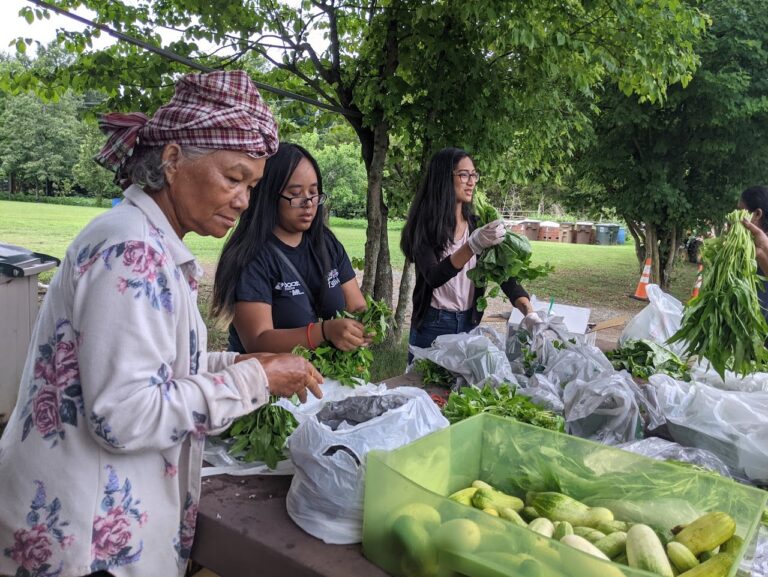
pixel 664 450
pixel 474 357
pixel 584 362
pixel 702 372
pixel 607 409
pixel 656 322
pixel 731 424
pixel 326 494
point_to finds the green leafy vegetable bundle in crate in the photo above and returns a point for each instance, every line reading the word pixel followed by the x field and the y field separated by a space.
pixel 724 323
pixel 510 259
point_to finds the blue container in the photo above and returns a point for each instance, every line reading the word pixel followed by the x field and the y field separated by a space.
pixel 621 237
pixel 115 202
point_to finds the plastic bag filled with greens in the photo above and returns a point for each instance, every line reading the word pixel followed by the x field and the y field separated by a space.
pixel 724 323
pixel 509 259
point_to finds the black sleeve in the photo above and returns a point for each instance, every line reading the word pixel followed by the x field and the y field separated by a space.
pixel 436 273
pixel 513 290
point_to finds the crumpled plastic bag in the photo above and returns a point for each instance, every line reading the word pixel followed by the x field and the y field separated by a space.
pixel 578 362
pixel 543 392
pixel 607 409
pixel 539 340
pixel 354 411
pixel 658 321
pixel 474 357
pixel 702 372
pixel 329 446
pixel 731 424
pixel 664 450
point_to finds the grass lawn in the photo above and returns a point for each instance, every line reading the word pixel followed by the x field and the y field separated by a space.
pixel 588 275
pixel 585 275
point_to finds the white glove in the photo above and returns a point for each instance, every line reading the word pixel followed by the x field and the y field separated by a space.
pixel 487 236
pixel 530 321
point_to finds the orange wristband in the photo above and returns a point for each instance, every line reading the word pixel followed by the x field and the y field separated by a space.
pixel 309 337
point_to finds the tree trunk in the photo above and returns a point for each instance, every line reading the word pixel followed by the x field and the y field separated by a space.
pixel 636 230
pixel 375 213
pixel 403 298
pixel 652 250
pixel 668 256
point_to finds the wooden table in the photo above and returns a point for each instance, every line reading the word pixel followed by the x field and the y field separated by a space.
pixel 243 530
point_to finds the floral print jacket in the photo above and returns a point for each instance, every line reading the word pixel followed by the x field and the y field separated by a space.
pixel 100 462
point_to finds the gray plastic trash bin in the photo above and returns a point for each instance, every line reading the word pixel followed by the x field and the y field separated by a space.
pixel 614 228
pixel 602 233
pixel 19 268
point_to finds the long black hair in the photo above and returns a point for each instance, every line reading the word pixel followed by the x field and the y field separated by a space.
pixel 432 216
pixel 757 197
pixel 254 229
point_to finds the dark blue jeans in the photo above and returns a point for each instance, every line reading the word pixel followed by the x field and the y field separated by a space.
pixel 439 322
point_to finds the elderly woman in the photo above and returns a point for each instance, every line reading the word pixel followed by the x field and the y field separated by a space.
pixel 100 461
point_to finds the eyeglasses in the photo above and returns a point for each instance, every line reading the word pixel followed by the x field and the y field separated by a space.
pixel 305 201
pixel 465 176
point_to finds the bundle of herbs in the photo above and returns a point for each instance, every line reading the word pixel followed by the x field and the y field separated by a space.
pixel 510 259
pixel 347 366
pixel 502 401
pixel 725 324
pixel 261 435
pixel 433 374
pixel 642 358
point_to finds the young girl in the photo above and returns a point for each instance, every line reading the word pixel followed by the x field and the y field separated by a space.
pixel 282 269
pixel 442 239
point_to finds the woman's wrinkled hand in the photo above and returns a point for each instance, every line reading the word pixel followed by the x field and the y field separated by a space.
pixel 346 334
pixel 290 375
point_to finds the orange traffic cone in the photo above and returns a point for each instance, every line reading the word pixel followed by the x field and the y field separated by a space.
pixel 697 285
pixel 645 278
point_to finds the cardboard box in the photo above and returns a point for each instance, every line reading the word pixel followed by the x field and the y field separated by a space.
pixel 576 319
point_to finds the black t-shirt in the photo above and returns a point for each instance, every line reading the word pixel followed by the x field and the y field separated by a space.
pixel 268 279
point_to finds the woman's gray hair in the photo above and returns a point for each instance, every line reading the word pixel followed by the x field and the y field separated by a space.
pixel 146 168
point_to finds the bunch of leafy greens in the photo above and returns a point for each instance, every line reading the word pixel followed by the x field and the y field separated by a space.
pixel 642 358
pixel 347 366
pixel 498 264
pixel 724 323
pixel 261 435
pixel 501 401
pixel 433 374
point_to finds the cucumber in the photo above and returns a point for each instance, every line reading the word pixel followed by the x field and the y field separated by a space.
pixel 681 557
pixel 613 545
pixel 717 566
pixel 458 535
pixel 562 528
pixel 542 526
pixel 582 544
pixel 707 532
pixel 645 551
pixel 419 553
pixel 558 507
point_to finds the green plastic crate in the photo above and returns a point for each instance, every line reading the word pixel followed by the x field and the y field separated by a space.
pixel 515 458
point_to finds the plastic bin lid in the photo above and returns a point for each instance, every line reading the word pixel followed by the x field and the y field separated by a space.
pixel 17 261
pixel 585 223
pixel 549 223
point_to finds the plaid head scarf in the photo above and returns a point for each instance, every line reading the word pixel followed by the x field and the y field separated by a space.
pixel 218 110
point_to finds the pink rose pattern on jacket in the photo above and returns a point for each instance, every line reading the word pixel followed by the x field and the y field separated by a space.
pixel 144 261
pixel 113 529
pixel 183 543
pixel 55 397
pixel 34 547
